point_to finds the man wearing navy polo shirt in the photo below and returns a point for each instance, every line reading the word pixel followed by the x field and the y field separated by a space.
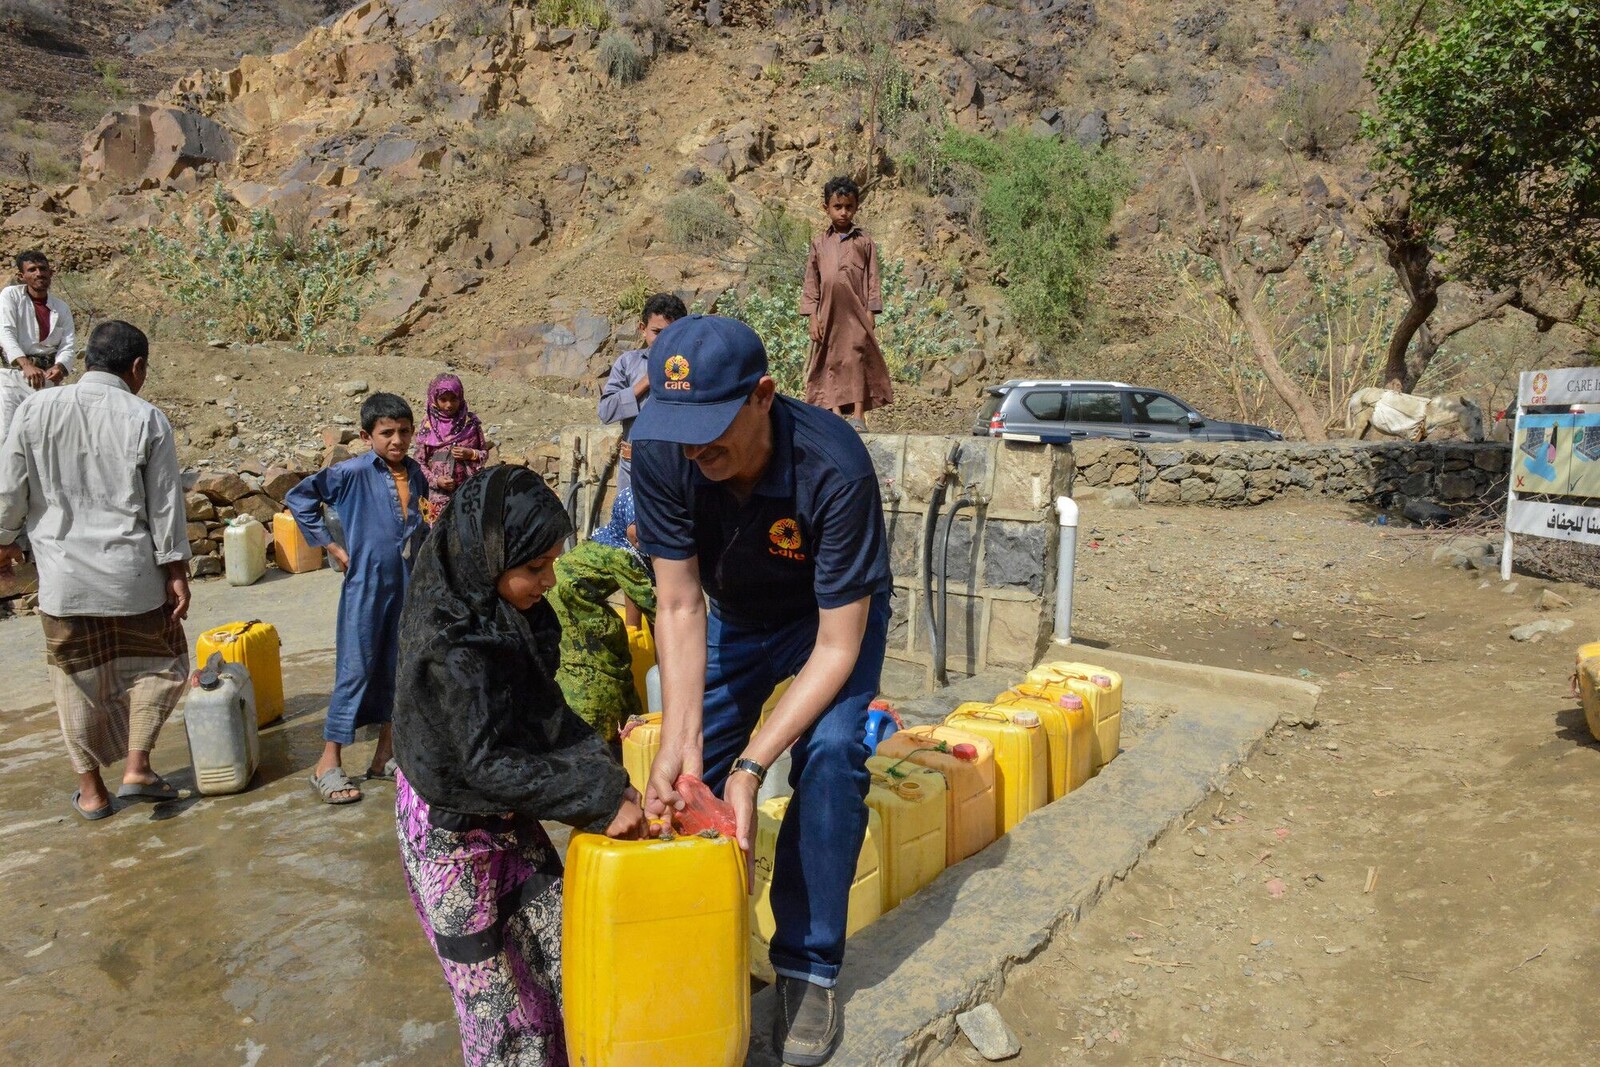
pixel 771 508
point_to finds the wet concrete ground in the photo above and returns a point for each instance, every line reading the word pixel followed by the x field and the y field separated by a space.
pixel 258 929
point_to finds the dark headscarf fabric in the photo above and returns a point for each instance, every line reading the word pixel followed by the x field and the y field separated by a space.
pixel 480 726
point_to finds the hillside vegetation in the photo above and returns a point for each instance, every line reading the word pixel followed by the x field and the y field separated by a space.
pixel 1174 193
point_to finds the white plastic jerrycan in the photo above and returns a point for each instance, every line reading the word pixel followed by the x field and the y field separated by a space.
pixel 220 718
pixel 244 550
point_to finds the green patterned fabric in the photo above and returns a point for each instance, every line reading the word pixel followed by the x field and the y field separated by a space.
pixel 596 673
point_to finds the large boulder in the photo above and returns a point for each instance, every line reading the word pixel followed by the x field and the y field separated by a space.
pixel 147 146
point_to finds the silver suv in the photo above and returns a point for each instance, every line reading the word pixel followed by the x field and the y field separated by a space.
pixel 1058 412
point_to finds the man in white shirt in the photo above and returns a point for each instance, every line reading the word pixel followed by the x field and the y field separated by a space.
pixel 91 472
pixel 36 336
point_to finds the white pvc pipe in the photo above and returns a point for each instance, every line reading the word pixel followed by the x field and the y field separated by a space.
pixel 1066 561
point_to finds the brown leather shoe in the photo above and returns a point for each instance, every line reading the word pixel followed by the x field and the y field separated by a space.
pixel 806 1030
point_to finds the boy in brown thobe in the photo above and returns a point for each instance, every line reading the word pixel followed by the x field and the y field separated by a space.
pixel 846 372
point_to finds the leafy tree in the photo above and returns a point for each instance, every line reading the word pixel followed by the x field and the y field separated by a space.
pixel 1492 124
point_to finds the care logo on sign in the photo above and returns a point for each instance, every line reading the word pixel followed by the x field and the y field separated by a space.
pixel 677 371
pixel 1541 385
pixel 786 540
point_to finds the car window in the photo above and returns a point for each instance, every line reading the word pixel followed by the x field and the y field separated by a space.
pixel 1153 407
pixel 1087 406
pixel 1044 404
pixel 991 404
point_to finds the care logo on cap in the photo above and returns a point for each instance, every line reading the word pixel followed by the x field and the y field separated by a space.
pixel 785 537
pixel 677 371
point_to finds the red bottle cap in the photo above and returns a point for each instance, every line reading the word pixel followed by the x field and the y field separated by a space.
pixel 964 752
pixel 879 705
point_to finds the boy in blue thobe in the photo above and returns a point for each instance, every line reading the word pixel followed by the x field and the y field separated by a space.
pixel 378 498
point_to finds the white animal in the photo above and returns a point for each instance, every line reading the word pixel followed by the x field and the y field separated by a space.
pixel 1406 415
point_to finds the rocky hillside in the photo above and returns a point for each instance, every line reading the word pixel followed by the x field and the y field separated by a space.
pixel 521 186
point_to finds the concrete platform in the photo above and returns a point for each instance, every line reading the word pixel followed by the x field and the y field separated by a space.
pixel 266 928
pixel 950 947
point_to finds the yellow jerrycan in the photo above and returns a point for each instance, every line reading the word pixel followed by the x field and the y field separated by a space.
pixel 1587 685
pixel 1101 690
pixel 1068 729
pixel 254 645
pixel 1021 757
pixel 641 740
pixel 909 800
pixel 290 549
pixel 866 889
pixel 641 651
pixel 966 761
pixel 670 916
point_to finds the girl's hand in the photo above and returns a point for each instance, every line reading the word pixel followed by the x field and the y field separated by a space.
pixel 340 557
pixel 463 452
pixel 629 824
pixel 444 484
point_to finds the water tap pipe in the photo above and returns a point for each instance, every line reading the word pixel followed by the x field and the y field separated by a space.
pixel 942 634
pixel 930 525
pixel 1066 561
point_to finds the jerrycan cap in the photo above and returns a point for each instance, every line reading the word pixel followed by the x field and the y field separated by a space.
pixel 879 704
pixel 1101 680
pixel 1028 719
pixel 965 752
pixel 1072 702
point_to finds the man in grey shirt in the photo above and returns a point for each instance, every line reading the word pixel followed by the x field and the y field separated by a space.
pixel 90 471
pixel 628 386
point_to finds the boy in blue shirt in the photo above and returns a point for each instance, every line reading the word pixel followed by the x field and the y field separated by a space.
pixel 771 508
pixel 378 498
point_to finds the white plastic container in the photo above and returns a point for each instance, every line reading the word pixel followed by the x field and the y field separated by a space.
pixel 776 783
pixel 219 717
pixel 652 690
pixel 244 550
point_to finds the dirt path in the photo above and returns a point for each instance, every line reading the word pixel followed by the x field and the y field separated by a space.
pixel 1405 882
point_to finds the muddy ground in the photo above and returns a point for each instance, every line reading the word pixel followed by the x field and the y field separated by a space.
pixel 1408 882
pixel 1449 770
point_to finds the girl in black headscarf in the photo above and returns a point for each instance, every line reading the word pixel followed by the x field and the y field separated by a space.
pixel 487 747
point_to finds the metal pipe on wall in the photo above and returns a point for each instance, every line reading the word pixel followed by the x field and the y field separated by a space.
pixel 940 675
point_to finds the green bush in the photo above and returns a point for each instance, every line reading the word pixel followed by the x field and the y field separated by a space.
pixel 915 330
pixel 698 221
pixel 621 58
pixel 1044 205
pixel 577 14
pixel 247 280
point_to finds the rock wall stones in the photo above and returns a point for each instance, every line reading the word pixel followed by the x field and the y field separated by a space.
pixel 1232 474
pixel 1001 546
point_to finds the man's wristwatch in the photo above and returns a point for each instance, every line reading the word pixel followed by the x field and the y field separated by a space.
pixel 750 766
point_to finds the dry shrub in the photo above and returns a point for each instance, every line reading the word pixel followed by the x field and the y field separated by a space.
pixel 697 220
pixel 1320 109
pixel 621 57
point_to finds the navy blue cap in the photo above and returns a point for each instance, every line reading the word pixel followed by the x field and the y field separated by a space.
pixel 702 369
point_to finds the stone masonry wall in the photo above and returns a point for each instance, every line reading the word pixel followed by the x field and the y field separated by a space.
pixel 1230 474
pixel 1002 547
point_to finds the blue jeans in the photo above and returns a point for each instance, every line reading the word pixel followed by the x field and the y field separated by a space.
pixel 820 840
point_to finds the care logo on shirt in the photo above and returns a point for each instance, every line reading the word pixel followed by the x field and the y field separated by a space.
pixel 677 370
pixel 785 538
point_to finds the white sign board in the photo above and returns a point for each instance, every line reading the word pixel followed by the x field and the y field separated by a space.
pixel 1554 455
pixel 1580 385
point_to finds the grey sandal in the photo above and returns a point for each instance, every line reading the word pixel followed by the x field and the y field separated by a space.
pixel 386 774
pixel 159 790
pixel 94 815
pixel 334 780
